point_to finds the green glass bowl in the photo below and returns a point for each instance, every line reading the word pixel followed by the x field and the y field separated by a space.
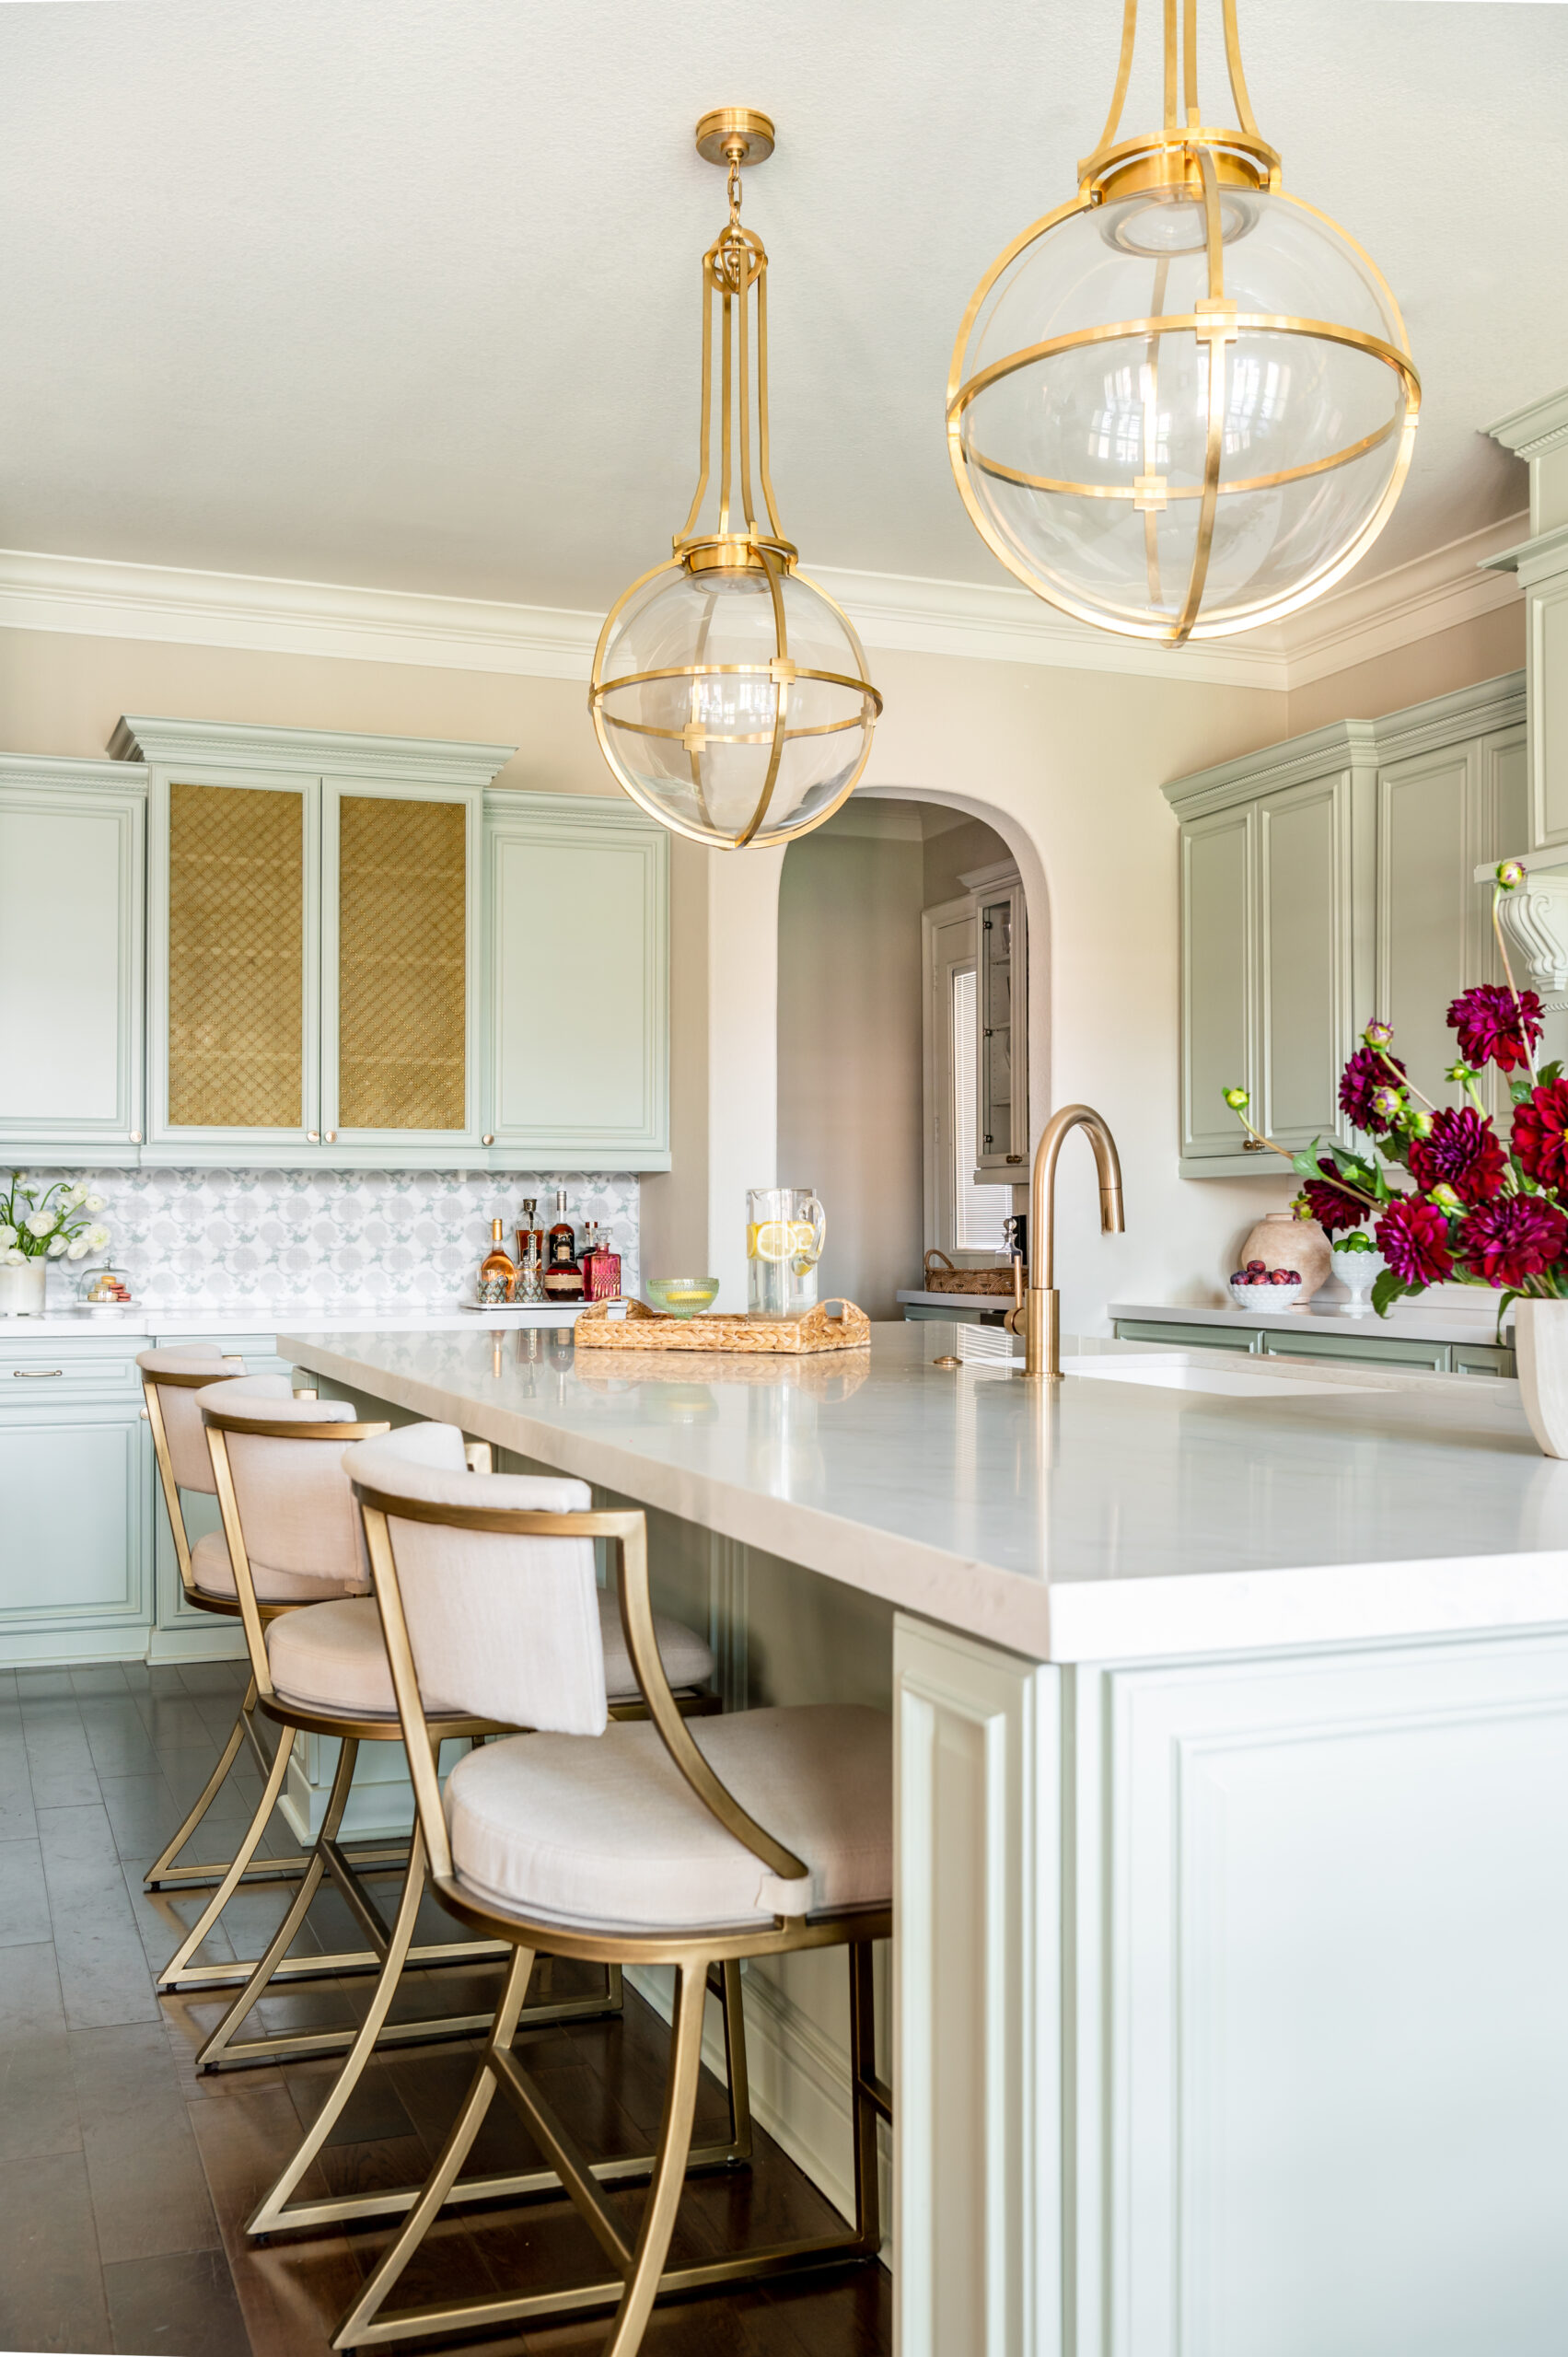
pixel 681 1296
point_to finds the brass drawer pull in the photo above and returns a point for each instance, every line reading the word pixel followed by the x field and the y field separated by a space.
pixel 34 1374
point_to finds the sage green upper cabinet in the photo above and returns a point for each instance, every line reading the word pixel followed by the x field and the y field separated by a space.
pixel 1326 881
pixel 577 956
pixel 72 853
pixel 314 946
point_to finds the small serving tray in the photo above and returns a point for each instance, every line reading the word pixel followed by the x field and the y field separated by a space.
pixel 642 1329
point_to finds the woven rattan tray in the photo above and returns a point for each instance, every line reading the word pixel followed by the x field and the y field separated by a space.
pixel 650 1329
pixel 947 1279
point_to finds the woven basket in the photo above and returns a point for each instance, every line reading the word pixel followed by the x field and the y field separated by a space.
pixel 947 1279
pixel 642 1328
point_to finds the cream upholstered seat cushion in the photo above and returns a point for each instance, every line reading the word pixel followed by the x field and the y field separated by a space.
pixel 214 1575
pixel 332 1658
pixel 603 1830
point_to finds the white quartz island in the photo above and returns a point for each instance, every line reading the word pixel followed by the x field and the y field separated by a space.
pixel 1231 1706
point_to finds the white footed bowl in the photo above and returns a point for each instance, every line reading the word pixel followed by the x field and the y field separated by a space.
pixel 1540 1340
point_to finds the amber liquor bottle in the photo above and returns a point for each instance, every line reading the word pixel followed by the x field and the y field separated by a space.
pixel 497 1271
pixel 562 1277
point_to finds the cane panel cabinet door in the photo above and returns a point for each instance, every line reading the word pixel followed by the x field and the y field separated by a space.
pixel 314 946
pixel 72 853
pixel 577 892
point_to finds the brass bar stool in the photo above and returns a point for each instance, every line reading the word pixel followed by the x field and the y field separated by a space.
pixel 170 1380
pixel 311 1654
pixel 290 1533
pixel 615 1843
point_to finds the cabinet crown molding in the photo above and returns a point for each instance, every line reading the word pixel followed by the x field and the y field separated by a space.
pixel 1352 743
pixel 1537 428
pixel 425 761
pixel 52 769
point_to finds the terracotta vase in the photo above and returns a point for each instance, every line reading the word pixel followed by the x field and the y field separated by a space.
pixel 1283 1241
pixel 1540 1340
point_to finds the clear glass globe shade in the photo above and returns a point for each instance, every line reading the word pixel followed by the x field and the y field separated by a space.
pixel 687 703
pixel 1052 450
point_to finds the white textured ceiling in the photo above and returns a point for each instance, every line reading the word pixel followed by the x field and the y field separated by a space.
pixel 404 292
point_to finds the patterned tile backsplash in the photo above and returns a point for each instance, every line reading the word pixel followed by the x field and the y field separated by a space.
pixel 198 1239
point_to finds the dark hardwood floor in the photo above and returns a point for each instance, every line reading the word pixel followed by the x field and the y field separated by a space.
pixel 125 2179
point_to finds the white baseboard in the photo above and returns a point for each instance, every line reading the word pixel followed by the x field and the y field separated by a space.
pixel 222 1644
pixel 799 2085
pixel 70 1648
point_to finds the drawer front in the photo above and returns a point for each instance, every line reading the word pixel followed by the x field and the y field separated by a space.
pixel 1191 1337
pixel 1483 1358
pixel 1364 1350
pixel 77 1520
pixel 55 1369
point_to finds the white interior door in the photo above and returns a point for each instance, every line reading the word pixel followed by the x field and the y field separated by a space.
pixel 961 1219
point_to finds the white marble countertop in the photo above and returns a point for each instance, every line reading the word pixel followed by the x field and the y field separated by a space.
pixel 1161 1502
pixel 143 1321
pixel 1412 1321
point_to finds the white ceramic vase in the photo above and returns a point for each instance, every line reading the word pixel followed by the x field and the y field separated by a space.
pixel 1541 1343
pixel 21 1290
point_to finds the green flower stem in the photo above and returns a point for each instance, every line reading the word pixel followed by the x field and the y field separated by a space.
pixel 1401 1079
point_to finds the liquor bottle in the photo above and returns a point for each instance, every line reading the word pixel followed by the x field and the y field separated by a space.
pixel 531 1229
pixel 562 1277
pixel 600 1267
pixel 561 1245
pixel 497 1274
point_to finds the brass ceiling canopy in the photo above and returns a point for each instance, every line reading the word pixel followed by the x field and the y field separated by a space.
pixel 1183 403
pixel 729 693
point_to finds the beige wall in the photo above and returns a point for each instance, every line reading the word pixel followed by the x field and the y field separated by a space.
pixel 63 694
pixel 849 1044
pixel 1472 651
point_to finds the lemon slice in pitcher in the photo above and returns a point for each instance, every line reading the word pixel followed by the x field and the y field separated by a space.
pixel 770 1240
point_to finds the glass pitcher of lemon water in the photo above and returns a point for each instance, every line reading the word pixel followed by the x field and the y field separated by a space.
pixel 784 1231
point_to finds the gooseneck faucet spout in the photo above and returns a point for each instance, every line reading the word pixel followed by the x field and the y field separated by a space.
pixel 1037 1316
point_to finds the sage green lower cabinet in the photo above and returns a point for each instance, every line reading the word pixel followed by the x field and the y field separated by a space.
pixel 577 959
pixel 87 1570
pixel 75 1498
pixel 1366 1346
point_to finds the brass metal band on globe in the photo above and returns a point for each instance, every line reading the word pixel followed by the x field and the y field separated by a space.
pixel 999 469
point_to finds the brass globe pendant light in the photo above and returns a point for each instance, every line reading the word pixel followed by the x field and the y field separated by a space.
pixel 1183 403
pixel 728 692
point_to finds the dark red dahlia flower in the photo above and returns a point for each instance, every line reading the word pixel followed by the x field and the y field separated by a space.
pixel 1493 1030
pixel 1540 1134
pixel 1333 1205
pixel 1461 1151
pixel 1513 1238
pixel 1412 1236
pixel 1365 1073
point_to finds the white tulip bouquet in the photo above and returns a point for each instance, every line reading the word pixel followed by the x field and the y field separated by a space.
pixel 59 1224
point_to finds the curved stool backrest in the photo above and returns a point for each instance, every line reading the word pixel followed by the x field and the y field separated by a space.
pixel 172 1381
pixel 486 1590
pixel 277 1467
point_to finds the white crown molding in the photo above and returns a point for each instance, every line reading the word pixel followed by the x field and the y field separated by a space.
pixel 99 597
pixel 1373 617
pixel 987 621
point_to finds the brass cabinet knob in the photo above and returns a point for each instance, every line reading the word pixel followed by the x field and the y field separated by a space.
pixel 332 1137
pixel 1253 1145
pixel 136 1137
pixel 488 1139
pixel 144 1415
pixel 313 1136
